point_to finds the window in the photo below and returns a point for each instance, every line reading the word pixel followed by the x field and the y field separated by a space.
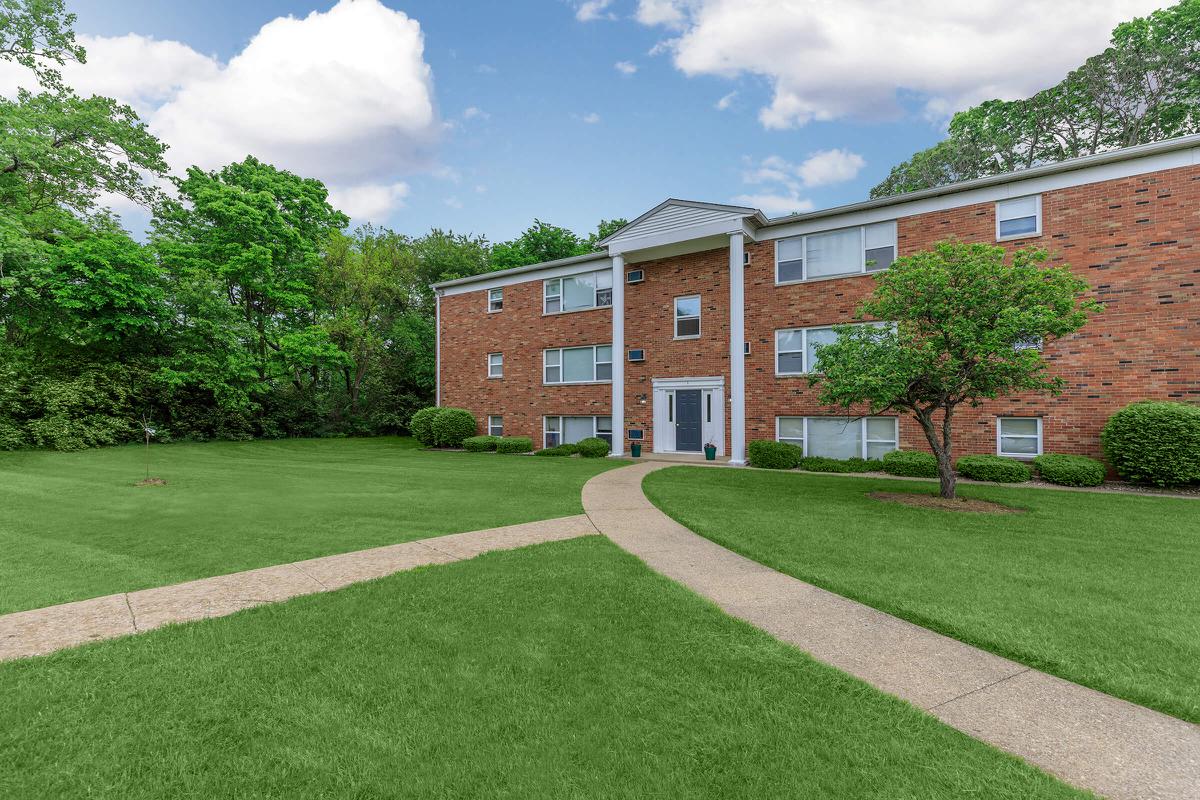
pixel 687 317
pixel 796 348
pixel 577 292
pixel 1019 217
pixel 495 425
pixel 637 355
pixel 495 365
pixel 1019 437
pixel 569 430
pixel 495 300
pixel 635 276
pixel 838 437
pixel 848 251
pixel 577 364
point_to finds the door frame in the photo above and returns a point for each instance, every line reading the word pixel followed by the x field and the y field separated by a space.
pixel 710 431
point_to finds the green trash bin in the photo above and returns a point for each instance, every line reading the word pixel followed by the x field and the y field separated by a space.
pixel 636 449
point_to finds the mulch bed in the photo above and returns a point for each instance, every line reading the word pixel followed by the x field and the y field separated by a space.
pixel 151 482
pixel 942 504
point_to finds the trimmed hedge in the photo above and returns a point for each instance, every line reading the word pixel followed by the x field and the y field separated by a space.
pixel 996 469
pixel 1068 470
pixel 767 454
pixel 514 444
pixel 451 426
pixel 558 450
pixel 594 447
pixel 910 464
pixel 1154 442
pixel 480 444
pixel 421 425
pixel 823 464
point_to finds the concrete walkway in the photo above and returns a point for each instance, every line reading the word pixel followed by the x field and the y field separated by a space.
pixel 44 630
pixel 1084 737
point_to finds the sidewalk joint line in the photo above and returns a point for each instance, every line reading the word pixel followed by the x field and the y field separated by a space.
pixel 132 616
pixel 980 689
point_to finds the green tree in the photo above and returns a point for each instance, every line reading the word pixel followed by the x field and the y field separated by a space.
pixel 1145 87
pixel 37 34
pixel 963 326
pixel 540 242
pixel 606 228
pixel 252 234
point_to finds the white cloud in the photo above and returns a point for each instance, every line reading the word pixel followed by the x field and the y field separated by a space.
pixel 725 102
pixel 826 61
pixel 591 10
pixel 625 67
pixel 480 189
pixel 367 201
pixel 472 112
pixel 830 166
pixel 775 205
pixel 453 202
pixel 344 96
pixel 590 118
pixel 486 69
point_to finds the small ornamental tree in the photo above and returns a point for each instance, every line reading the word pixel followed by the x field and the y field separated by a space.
pixel 965 326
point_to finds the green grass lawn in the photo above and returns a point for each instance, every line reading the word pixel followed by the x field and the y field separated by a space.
pixel 73 525
pixel 1100 589
pixel 565 670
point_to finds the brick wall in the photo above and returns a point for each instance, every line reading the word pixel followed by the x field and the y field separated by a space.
pixel 1134 240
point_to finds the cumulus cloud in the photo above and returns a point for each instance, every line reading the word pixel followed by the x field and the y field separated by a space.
pixel 343 95
pixel 775 204
pixel 471 112
pixel 625 67
pixel 830 166
pixel 854 58
pixel 725 102
pixel 783 180
pixel 590 118
pixel 590 10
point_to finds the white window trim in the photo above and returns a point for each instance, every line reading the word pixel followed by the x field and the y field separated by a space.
pixel 804 341
pixel 861 421
pixel 675 317
pixel 1037 219
pixel 560 417
pixel 491 425
pixel 500 293
pixel 862 240
pixel 560 294
pixel 489 366
pixel 560 350
pixel 1022 456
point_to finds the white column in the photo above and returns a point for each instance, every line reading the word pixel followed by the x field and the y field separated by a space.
pixel 618 355
pixel 437 350
pixel 737 351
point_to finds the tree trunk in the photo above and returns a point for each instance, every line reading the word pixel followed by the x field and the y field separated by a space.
pixel 940 445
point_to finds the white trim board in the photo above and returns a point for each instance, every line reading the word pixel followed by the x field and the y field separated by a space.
pixel 601 262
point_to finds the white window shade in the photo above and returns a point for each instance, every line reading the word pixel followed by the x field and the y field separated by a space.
pixel 791 430
pixel 834 253
pixel 576 429
pixel 1020 216
pixel 579 291
pixel 578 364
pixel 818 336
pixel 834 438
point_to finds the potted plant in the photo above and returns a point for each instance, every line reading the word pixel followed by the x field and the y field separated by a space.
pixel 635 448
pixel 710 452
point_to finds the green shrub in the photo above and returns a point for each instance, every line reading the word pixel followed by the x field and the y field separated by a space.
pixel 421 425
pixel 594 447
pixel 514 444
pixel 480 444
pixel 824 464
pixel 451 426
pixel 774 455
pixel 1068 470
pixel 910 464
pixel 996 469
pixel 1154 442
pixel 559 450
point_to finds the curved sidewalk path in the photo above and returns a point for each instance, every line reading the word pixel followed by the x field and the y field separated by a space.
pixel 44 630
pixel 1084 737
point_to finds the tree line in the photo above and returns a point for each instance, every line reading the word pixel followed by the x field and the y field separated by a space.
pixel 249 310
pixel 1144 87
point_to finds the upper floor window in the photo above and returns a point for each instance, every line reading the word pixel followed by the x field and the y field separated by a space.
pixel 495 365
pixel 577 292
pixel 1019 218
pixel 495 300
pixel 796 348
pixel 687 317
pixel 590 364
pixel 1019 437
pixel 849 251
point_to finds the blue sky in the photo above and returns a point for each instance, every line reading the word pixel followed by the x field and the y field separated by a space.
pixel 792 103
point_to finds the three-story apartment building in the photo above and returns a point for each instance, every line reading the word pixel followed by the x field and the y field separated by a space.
pixel 698 322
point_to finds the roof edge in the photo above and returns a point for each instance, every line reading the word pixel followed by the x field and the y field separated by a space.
pixel 559 262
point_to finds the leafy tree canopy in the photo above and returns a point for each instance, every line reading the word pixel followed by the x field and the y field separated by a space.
pixel 37 34
pixel 1145 87
pixel 966 326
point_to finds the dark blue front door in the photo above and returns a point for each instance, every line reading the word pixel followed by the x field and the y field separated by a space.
pixel 687 420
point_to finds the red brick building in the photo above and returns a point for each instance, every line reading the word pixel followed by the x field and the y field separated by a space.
pixel 698 321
